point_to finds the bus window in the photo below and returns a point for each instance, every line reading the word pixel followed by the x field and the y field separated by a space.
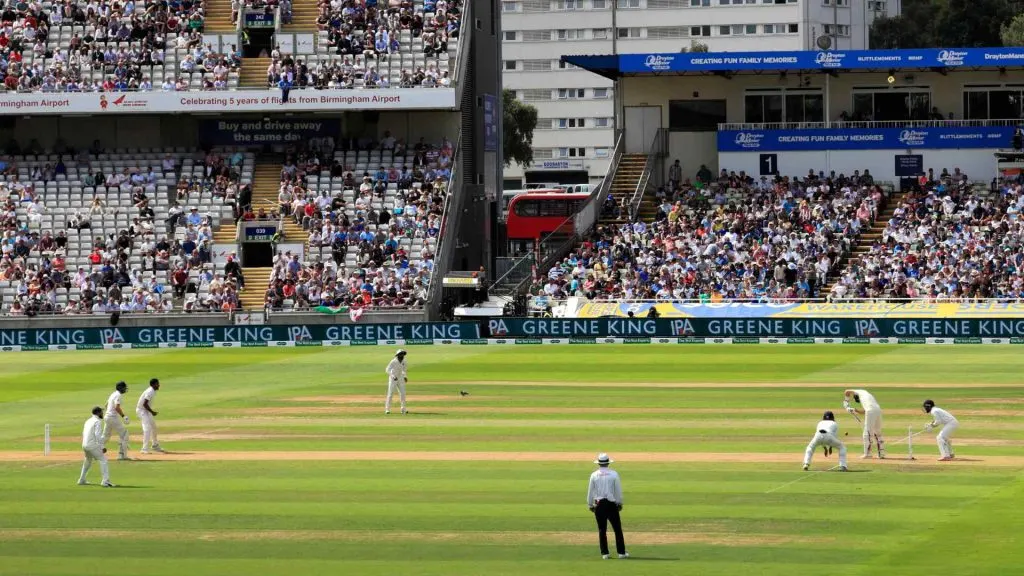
pixel 527 208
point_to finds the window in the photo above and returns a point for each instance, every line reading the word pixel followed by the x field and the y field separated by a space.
pixel 628 32
pixel 695 115
pixel 564 123
pixel 601 152
pixel 510 64
pixel 511 7
pixel 598 4
pixel 793 28
pixel 763 108
pixel 887 104
pixel 572 152
pixel 602 122
pixel 571 34
pixel 837 2
pixel 510 36
pixel 570 93
pixel 627 4
pixel 567 5
pixel 844 30
pixel 600 33
pixel 700 30
pixel 600 93
pixel 769 28
pixel 994 103
pixel 805 108
pixel 535 65
pixel 697 3
pixel 566 66
pixel 751 29
pixel 724 30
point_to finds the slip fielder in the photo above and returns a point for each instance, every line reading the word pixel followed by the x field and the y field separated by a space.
pixel 827 435
pixel 115 420
pixel 872 413
pixel 92 447
pixel 147 417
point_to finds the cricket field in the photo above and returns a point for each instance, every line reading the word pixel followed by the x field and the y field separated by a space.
pixel 283 463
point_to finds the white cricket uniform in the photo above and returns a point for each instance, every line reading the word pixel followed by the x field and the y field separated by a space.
pixel 396 381
pixel 92 446
pixel 149 437
pixel 949 425
pixel 826 434
pixel 112 423
pixel 872 422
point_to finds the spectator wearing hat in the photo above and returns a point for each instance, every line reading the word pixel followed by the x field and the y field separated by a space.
pixel 604 498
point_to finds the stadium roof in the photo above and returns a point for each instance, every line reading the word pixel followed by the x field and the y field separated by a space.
pixel 724 63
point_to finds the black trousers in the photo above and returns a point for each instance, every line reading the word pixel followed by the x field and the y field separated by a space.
pixel 607 511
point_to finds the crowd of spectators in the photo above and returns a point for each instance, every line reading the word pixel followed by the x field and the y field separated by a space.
pixel 370 41
pixel 947 240
pixel 373 240
pixel 731 237
pixel 141 255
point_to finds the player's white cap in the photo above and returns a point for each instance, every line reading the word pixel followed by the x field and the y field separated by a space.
pixel 401 351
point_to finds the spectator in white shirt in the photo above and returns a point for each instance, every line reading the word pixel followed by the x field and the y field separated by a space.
pixel 949 425
pixel 604 499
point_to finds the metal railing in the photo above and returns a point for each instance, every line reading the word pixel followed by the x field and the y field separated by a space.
pixel 839 124
pixel 447 235
pixel 557 244
pixel 655 152
pixel 461 57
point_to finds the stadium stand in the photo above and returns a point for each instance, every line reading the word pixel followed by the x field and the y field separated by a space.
pixel 100 232
pixel 731 238
pixel 370 219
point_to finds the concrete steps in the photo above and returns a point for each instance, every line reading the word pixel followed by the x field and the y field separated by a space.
pixel 256 282
pixel 866 239
pixel 253 73
pixel 304 15
pixel 624 183
pixel 218 17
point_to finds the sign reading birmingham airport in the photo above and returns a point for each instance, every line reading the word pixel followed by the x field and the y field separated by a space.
pixel 864 139
pixel 226 101
pixel 812 60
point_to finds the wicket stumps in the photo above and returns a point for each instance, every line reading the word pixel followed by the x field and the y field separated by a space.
pixel 46 440
pixel 910 441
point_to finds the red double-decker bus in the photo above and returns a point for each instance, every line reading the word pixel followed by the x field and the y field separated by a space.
pixel 534 215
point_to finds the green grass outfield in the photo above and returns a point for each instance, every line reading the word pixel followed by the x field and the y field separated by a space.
pixel 284 464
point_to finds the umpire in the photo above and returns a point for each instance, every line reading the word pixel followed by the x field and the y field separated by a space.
pixel 604 498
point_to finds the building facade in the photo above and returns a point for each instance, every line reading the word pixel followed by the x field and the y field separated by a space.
pixel 576 108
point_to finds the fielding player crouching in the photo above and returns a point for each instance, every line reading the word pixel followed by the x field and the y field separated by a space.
pixel 827 435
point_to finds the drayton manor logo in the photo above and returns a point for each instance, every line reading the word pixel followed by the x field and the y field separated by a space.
pixel 658 62
pixel 829 59
pixel 749 140
pixel 913 138
pixel 951 57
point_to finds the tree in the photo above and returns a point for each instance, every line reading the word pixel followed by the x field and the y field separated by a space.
pixel 1012 34
pixel 944 24
pixel 518 123
pixel 695 47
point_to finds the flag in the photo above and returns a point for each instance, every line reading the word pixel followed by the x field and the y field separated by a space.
pixel 355 314
pixel 331 309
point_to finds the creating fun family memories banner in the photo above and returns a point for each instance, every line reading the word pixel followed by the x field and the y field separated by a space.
pixel 754 328
pixel 242 336
pixel 817 139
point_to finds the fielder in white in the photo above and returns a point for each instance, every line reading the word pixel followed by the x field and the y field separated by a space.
pixel 949 425
pixel 872 413
pixel 147 416
pixel 92 446
pixel 827 435
pixel 396 371
pixel 114 420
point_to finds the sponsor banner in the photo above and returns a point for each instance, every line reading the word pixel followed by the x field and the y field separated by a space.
pixel 864 139
pixel 502 342
pixel 636 340
pixel 582 341
pixel 807 60
pixel 36 103
pixel 856 340
pixel 283 344
pixel 10 348
pixel 867 327
pixel 689 341
pixel 419 342
pixel 205 336
pixel 472 342
pixel 529 341
pixel 238 132
pixel 920 309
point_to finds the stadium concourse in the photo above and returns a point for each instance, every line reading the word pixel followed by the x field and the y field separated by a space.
pixel 835 237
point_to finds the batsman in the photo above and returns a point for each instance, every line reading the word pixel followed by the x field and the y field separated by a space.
pixel 872 412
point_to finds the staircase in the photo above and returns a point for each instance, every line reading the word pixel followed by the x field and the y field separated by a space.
pixel 266 183
pixel 304 15
pixel 624 183
pixel 867 238
pixel 225 234
pixel 218 17
pixel 256 282
pixel 253 74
